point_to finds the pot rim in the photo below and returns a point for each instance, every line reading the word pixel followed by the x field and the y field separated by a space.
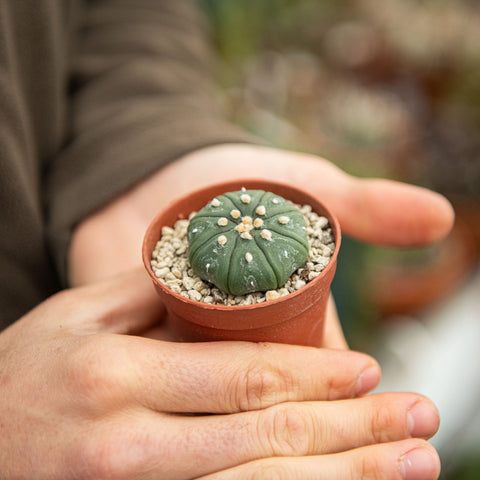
pixel 232 185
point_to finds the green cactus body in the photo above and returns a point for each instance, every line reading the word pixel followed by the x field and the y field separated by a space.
pixel 247 241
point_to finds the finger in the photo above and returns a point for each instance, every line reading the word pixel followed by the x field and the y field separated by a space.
pixel 378 211
pixel 219 377
pixel 403 460
pixel 317 428
pixel 235 376
pixel 390 213
pixel 220 442
pixel 126 303
pixel 333 336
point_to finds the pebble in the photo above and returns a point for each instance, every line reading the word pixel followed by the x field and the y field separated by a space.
pixel 188 282
pixel 162 272
pixel 272 295
pixel 176 271
pixel 299 283
pixel 194 295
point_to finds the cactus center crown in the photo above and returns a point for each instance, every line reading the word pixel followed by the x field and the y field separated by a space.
pixel 250 240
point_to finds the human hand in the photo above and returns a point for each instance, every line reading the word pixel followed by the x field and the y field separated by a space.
pixel 82 397
pixel 373 210
pixel 377 211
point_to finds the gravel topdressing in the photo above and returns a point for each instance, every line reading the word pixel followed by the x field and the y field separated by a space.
pixel 171 266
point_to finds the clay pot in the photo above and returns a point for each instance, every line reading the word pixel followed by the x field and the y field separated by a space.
pixel 297 318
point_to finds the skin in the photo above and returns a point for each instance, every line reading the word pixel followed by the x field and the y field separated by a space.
pixel 90 382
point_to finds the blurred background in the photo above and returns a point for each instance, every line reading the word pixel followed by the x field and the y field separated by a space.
pixel 389 89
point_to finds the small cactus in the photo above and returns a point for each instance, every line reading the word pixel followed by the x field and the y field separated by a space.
pixel 247 241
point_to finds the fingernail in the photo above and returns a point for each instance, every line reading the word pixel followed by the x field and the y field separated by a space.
pixel 367 381
pixel 420 464
pixel 422 420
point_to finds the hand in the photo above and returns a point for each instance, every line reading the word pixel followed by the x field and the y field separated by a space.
pixel 377 211
pixel 82 397
pixel 372 210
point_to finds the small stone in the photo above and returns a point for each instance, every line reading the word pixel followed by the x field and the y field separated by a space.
pixel 313 275
pixel 306 209
pixel 194 295
pixel 199 285
pixel 271 295
pixel 322 222
pixel 160 273
pixel 327 251
pixel 249 300
pixel 299 283
pixel 175 288
pixel 188 283
pixel 326 237
pixel 167 231
pixel 181 250
pixel 177 272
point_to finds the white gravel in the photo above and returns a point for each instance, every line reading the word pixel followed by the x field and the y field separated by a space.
pixel 171 266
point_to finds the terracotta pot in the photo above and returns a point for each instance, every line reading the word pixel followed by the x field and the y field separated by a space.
pixel 297 318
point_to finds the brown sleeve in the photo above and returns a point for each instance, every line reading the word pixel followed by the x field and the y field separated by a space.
pixel 140 99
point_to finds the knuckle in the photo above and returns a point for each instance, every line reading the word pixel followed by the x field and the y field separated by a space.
pixel 108 453
pixel 284 428
pixel 92 459
pixel 340 386
pixel 93 372
pixel 261 385
pixel 386 424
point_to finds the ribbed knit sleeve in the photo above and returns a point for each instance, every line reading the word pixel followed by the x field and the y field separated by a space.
pixel 141 97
